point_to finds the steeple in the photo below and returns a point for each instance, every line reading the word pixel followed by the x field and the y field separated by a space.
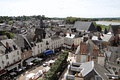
pixel 42 24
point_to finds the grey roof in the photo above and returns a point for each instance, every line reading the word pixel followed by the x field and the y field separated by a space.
pixel 82 25
pixel 101 71
pixel 19 41
pixel 55 37
pixel 9 41
pixel 77 69
pixel 114 28
pixel 3 37
pixel 87 69
pixel 115 53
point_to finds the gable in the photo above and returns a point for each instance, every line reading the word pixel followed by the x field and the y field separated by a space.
pixel 82 25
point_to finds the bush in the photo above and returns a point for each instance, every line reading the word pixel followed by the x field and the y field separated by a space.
pixel 8 34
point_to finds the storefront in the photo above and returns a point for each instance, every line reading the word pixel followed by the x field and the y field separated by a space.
pixel 48 52
pixel 2 72
pixel 14 66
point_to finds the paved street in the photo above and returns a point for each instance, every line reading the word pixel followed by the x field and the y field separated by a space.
pixel 22 76
pixel 35 70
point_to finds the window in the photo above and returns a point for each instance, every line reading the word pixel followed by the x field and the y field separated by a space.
pixel 8 63
pixel 109 67
pixel 17 52
pixel 18 58
pixel 41 45
pixel 93 57
pixel 38 51
pixel 3 62
pixel 118 62
pixel 47 43
pixel 14 60
pixel 7 57
pixel 38 46
pixel 114 69
pixel 97 77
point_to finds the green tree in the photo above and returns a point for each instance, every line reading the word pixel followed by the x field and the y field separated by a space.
pixel 57 66
pixel 9 35
pixel 105 31
pixel 99 28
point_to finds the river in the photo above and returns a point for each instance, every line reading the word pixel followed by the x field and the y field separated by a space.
pixel 107 23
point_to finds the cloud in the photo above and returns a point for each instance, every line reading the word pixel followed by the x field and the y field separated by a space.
pixel 61 8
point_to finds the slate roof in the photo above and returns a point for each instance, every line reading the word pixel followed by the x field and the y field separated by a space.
pixel 101 71
pixel 9 41
pixel 3 45
pixel 55 37
pixel 87 67
pixel 114 28
pixel 115 53
pixel 3 37
pixel 19 41
pixel 82 25
pixel 105 37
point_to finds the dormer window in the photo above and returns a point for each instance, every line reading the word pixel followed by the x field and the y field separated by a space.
pixel 15 48
pixel 47 43
pixel 118 62
pixel 14 60
pixel 7 63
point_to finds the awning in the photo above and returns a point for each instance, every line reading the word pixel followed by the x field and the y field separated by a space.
pixel 12 67
pixel 2 72
pixel 19 69
pixel 38 58
pixel 29 60
pixel 64 45
pixel 30 63
pixel 12 73
pixel 47 52
pixel 69 47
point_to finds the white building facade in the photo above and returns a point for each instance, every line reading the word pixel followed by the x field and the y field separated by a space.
pixel 10 55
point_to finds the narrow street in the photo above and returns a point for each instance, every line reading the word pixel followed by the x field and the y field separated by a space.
pixel 36 69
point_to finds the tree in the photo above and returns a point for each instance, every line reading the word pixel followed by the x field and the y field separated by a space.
pixel 9 35
pixel 99 28
pixel 56 67
pixel 105 31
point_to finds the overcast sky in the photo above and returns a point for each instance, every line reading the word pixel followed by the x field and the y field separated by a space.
pixel 61 8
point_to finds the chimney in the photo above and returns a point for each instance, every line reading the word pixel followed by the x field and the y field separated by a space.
pixel 116 38
pixel 99 37
pixel 7 45
pixel 70 34
pixel 85 39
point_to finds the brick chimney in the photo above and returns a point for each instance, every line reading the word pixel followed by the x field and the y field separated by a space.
pixel 7 45
pixel 83 48
pixel 70 34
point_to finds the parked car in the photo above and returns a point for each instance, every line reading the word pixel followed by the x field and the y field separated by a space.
pixel 45 64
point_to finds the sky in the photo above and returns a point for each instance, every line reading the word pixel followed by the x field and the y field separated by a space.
pixel 61 8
